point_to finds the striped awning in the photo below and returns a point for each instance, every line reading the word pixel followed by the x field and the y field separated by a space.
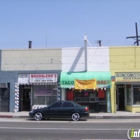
pixel 54 83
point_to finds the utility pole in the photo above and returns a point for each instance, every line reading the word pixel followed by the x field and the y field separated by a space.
pixel 135 37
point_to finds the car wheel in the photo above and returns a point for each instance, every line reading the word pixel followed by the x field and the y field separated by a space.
pixel 75 116
pixel 38 116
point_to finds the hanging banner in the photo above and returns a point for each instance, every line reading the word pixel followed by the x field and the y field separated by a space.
pixel 85 84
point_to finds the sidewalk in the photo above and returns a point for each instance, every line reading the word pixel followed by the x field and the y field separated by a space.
pixel 117 115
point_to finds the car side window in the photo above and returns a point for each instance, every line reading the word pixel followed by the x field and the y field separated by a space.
pixel 68 104
pixel 58 104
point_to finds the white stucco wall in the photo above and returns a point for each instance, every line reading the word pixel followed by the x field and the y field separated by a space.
pixel 98 59
pixel 73 59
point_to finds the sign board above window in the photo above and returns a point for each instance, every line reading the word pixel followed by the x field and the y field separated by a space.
pixel 43 78
pixel 127 76
pixel 37 78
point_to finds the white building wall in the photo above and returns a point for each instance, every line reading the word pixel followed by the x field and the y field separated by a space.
pixel 73 59
pixel 98 59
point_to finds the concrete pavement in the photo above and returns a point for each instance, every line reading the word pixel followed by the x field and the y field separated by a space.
pixel 117 115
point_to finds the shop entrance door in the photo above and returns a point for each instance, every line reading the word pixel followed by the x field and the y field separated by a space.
pixel 25 94
pixel 121 99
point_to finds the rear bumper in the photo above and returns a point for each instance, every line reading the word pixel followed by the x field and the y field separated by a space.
pixel 85 114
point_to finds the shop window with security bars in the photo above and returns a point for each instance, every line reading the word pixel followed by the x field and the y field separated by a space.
pixel 136 95
pixel 44 94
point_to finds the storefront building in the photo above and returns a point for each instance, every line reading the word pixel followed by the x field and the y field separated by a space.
pixel 128 91
pixel 125 75
pixel 29 78
pixel 36 91
pixel 93 90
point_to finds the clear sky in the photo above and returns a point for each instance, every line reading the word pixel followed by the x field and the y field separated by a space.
pixel 63 23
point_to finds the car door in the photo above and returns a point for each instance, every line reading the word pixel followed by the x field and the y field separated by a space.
pixel 55 110
pixel 67 109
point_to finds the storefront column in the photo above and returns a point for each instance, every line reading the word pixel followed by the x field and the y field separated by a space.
pixel 63 94
pixel 113 98
pixel 108 101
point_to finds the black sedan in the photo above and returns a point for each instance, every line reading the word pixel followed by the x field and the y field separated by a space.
pixel 61 109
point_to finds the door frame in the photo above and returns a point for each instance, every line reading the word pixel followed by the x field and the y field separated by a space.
pixel 117 97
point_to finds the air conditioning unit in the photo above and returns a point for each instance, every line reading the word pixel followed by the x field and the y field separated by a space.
pixel 3 85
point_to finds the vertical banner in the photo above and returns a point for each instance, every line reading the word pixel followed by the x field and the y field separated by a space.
pixel 16 97
pixel 85 84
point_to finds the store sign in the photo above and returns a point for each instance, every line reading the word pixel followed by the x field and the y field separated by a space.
pixel 43 78
pixel 127 76
pixel 68 82
pixel 99 82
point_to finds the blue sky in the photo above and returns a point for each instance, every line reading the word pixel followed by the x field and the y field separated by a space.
pixel 63 23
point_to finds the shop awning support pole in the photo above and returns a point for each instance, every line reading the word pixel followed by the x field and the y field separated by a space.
pixel 85 46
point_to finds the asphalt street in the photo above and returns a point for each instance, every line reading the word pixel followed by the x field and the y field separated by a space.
pixel 26 129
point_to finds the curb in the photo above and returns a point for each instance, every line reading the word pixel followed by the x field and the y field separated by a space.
pixel 114 117
pixel 6 116
pixel 90 117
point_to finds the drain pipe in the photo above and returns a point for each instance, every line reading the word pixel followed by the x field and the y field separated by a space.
pixel 85 47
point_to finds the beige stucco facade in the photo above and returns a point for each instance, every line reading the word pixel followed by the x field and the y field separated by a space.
pixel 123 59
pixel 31 59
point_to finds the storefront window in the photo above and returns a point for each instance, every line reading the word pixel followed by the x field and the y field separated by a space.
pixel 44 94
pixel 96 100
pixel 136 95
pixel 128 94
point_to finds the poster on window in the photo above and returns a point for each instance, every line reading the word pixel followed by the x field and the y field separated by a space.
pixel 42 93
pixel 43 78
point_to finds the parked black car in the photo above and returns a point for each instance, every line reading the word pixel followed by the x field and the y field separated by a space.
pixel 61 109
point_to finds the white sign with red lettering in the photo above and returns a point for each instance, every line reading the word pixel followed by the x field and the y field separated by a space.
pixel 43 78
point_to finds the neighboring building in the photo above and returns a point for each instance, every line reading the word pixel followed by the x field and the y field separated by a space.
pixel 29 78
pixel 125 71
pixel 74 68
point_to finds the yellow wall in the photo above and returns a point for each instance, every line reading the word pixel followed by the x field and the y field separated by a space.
pixel 136 109
pixel 128 108
pixel 123 59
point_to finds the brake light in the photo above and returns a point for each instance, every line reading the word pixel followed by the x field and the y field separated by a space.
pixel 86 109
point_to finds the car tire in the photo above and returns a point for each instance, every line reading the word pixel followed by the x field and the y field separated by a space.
pixel 75 116
pixel 38 116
